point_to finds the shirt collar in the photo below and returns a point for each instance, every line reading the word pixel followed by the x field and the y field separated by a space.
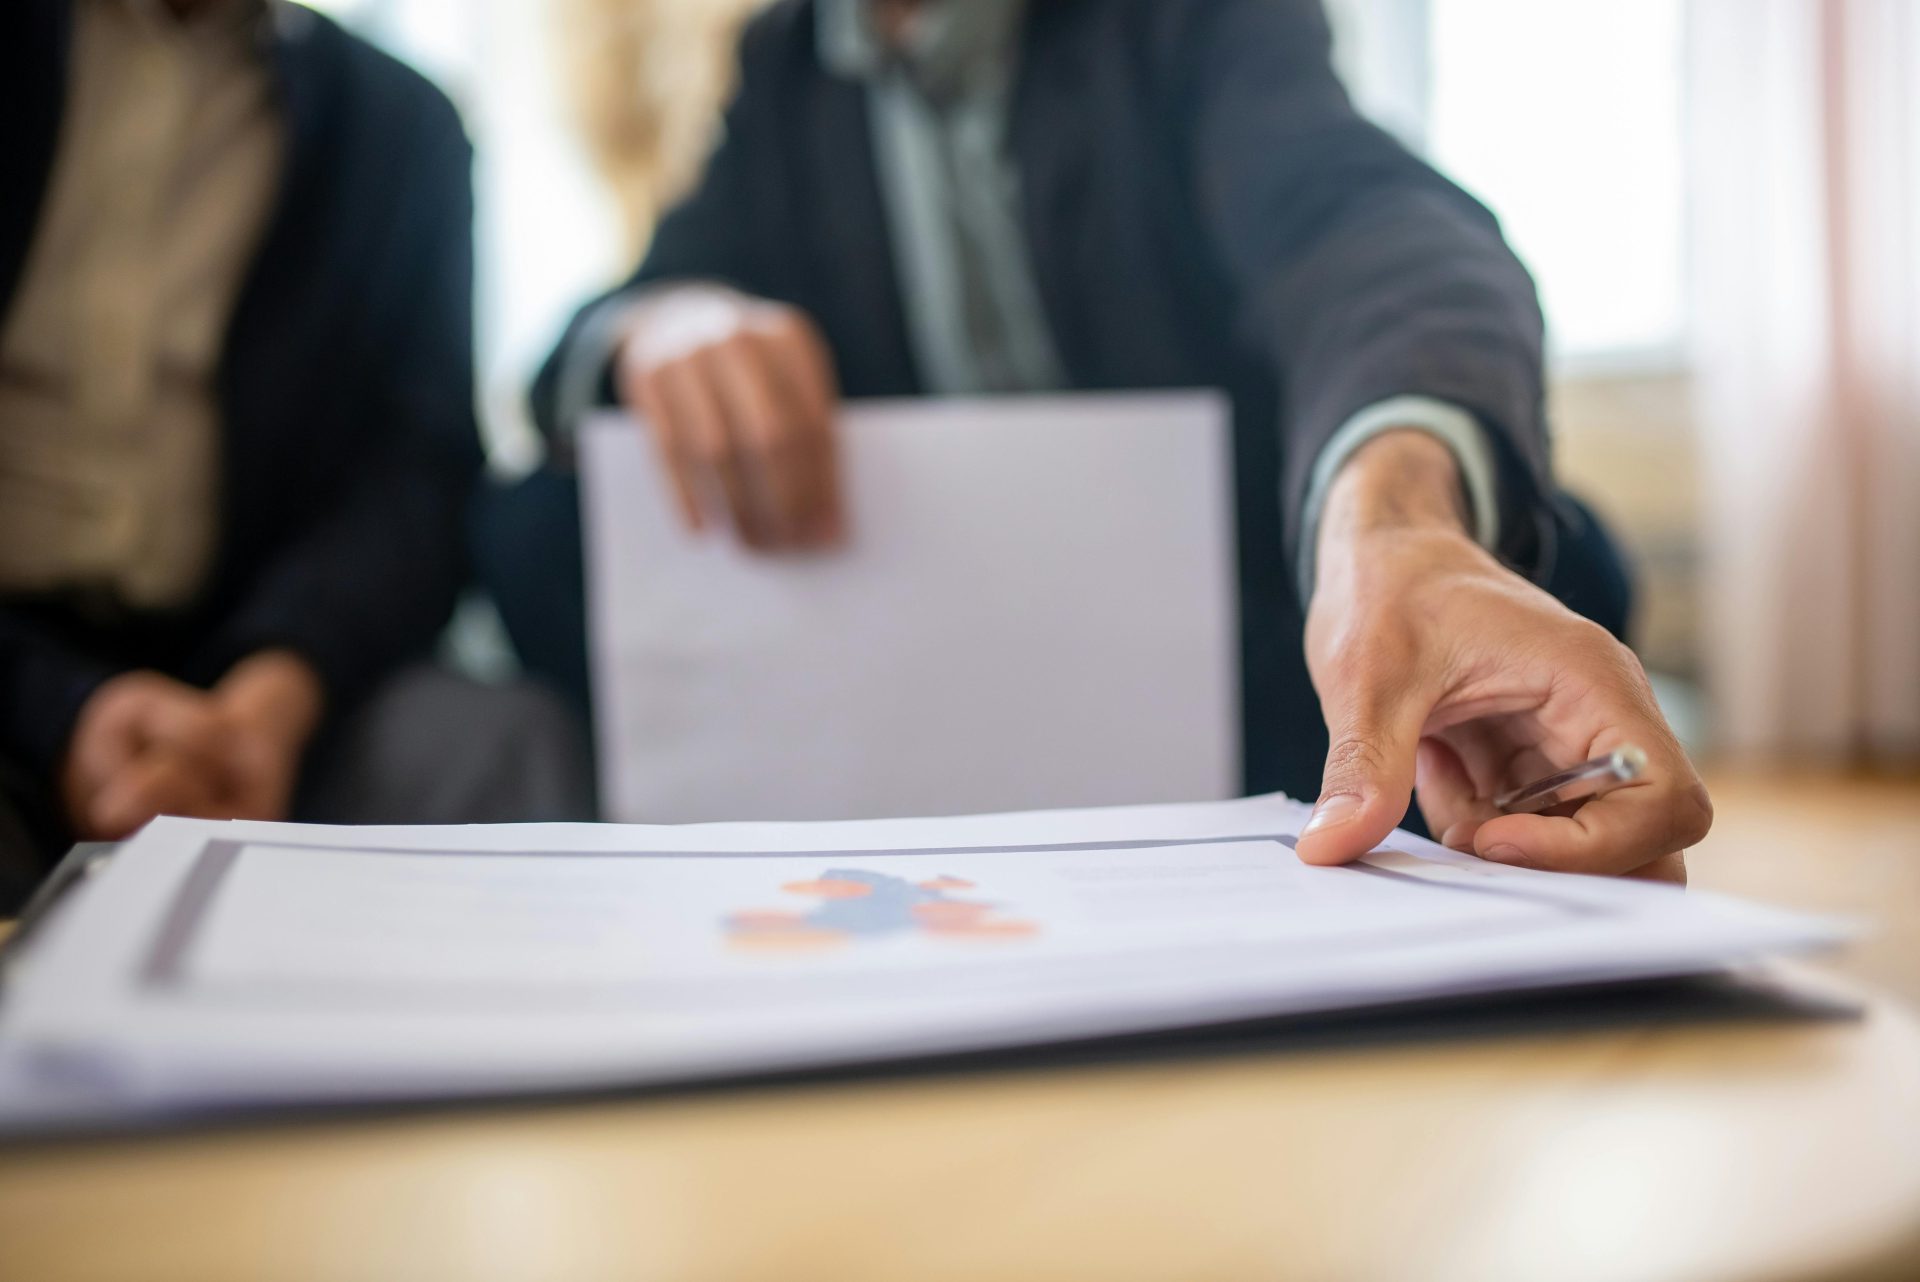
pixel 953 46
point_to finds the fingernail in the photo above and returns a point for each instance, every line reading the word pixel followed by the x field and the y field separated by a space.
pixel 1331 811
pixel 1504 854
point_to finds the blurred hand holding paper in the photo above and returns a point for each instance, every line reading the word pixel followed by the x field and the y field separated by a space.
pixel 1034 609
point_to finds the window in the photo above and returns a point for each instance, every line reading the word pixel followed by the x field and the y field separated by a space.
pixel 1567 118
pixel 547 235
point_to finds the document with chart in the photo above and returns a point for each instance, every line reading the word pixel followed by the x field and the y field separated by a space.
pixel 220 964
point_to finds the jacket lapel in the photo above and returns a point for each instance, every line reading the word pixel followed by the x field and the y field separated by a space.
pixel 299 51
pixel 1053 155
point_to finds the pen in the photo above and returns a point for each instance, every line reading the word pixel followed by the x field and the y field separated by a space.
pixel 1588 779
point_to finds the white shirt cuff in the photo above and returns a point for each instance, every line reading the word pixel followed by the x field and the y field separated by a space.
pixel 1455 428
pixel 595 343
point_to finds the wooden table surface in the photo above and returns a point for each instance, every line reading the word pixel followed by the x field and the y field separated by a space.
pixel 1756 1150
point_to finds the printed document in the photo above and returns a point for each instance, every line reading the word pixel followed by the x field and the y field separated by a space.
pixel 220 964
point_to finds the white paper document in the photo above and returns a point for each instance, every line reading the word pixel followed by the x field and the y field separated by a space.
pixel 214 965
pixel 1034 608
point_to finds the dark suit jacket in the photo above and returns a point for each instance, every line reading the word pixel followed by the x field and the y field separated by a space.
pixel 349 448
pixel 1203 207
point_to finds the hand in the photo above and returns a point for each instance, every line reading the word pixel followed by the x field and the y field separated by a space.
pixel 1439 668
pixel 739 395
pixel 147 745
pixel 271 703
pixel 144 745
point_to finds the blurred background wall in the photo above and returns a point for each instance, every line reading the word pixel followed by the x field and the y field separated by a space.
pixel 1719 198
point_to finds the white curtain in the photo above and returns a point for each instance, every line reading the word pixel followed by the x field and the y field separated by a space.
pixel 1806 169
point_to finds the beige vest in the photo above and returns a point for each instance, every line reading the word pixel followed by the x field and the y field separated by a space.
pixel 168 159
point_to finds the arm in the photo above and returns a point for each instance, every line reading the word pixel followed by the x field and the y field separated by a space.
pixel 1367 277
pixel 1360 272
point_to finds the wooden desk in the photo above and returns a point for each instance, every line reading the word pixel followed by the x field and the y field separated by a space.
pixel 1763 1150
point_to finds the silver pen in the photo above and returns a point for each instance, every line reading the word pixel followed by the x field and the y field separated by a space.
pixel 1588 779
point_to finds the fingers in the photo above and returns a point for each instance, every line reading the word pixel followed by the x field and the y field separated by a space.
pixel 741 410
pixel 1644 823
pixel 250 784
pixel 189 727
pixel 1641 826
pixel 147 745
pixel 697 418
pixel 803 365
pixel 265 770
pixel 758 425
pixel 128 717
pixel 777 410
pixel 154 784
pixel 646 391
pixel 1668 868
pixel 1368 781
pixel 105 739
pixel 1412 633
pixel 1453 807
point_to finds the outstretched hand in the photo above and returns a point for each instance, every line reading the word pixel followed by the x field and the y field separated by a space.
pixel 1445 675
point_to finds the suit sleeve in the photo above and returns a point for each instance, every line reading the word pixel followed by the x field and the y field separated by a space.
pixel 711 234
pixel 1356 268
pixel 373 582
pixel 43 685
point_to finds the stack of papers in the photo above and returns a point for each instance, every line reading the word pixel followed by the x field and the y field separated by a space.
pixel 221 965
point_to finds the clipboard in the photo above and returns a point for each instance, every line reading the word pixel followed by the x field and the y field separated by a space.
pixel 79 863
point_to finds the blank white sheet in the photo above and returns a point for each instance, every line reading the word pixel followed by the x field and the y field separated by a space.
pixel 1035 608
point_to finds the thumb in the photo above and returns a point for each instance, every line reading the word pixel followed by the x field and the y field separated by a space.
pixel 1369 775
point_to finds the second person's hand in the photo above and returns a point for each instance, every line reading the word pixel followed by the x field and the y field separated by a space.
pixel 147 744
pixel 739 396
pixel 271 703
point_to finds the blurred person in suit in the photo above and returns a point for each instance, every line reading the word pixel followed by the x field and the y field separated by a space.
pixel 237 439
pixel 997 196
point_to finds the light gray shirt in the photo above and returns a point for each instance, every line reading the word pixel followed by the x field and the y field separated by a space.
pixel 161 187
pixel 938 109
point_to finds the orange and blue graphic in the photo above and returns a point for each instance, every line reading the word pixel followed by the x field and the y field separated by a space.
pixel 851 904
